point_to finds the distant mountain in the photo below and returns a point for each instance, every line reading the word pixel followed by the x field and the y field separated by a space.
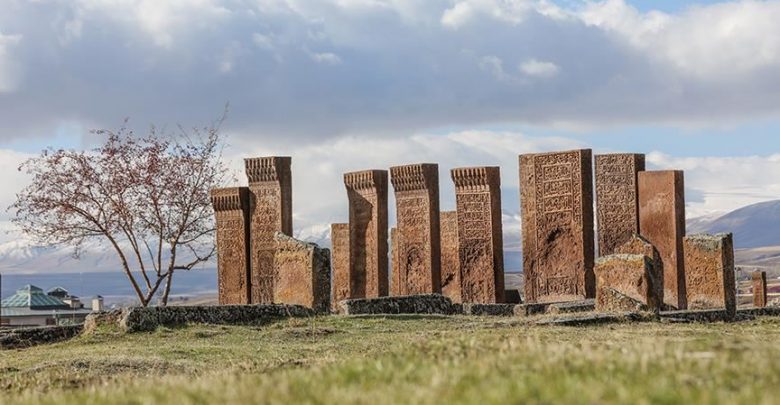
pixel 756 225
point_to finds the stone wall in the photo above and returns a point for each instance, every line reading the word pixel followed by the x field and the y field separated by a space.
pixel 410 304
pixel 20 338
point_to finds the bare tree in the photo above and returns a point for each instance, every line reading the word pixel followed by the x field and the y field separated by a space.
pixel 146 197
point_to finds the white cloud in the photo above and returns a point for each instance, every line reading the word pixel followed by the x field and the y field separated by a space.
pixel 533 67
pixel 326 58
pixel 9 68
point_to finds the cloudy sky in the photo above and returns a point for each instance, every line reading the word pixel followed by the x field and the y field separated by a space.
pixel 344 85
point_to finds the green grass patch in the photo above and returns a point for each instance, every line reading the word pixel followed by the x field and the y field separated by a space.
pixel 390 360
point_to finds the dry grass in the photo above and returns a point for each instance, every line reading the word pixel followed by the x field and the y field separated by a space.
pixel 384 360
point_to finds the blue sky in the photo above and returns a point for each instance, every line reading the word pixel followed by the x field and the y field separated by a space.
pixel 344 85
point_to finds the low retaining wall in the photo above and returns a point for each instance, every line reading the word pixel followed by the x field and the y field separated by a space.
pixel 426 304
pixel 138 319
pixel 27 337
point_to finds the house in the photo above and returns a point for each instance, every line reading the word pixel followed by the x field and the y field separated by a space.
pixel 30 306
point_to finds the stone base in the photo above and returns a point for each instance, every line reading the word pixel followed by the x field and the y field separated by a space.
pixel 409 304
pixel 138 319
pixel 587 305
pixel 611 300
pixel 489 309
pixel 512 297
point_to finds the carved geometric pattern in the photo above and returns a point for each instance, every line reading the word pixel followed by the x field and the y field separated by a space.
pixel 231 210
pixel 617 199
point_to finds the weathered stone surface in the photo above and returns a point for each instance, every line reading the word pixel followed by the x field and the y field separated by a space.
pixel 340 274
pixel 623 280
pixel 301 273
pixel 231 209
pixel 512 297
pixel 450 257
pixel 417 209
pixel 617 199
pixel 409 304
pixel 139 319
pixel 480 235
pixel 759 289
pixel 489 309
pixel 556 190
pixel 20 338
pixel 567 307
pixel 270 186
pixel 367 193
pixel 531 309
pixel 709 272
pixel 395 273
pixel 662 222
pixel 637 245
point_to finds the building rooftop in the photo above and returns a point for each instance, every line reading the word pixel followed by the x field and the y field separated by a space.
pixel 33 298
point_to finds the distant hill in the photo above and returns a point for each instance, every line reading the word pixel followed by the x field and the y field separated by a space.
pixel 756 225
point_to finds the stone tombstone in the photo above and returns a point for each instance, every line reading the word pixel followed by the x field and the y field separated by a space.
pixel 480 235
pixel 395 273
pixel 631 276
pixel 450 257
pixel 417 209
pixel 340 274
pixel 231 209
pixel 367 194
pixel 556 192
pixel 662 223
pixel 270 190
pixel 301 273
pixel 709 272
pixel 758 279
pixel 617 199
pixel 637 245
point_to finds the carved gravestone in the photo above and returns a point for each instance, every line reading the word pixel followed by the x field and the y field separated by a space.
pixel 270 186
pixel 637 245
pixel 395 273
pixel 759 289
pixel 340 274
pixel 417 210
pixel 367 193
pixel 301 273
pixel 709 272
pixel 662 222
pixel 231 209
pixel 556 191
pixel 617 199
pixel 623 280
pixel 480 239
pixel 450 259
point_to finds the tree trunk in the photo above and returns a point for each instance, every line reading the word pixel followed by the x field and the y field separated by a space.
pixel 167 291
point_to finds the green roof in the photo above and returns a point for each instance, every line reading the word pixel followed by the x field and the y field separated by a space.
pixel 32 297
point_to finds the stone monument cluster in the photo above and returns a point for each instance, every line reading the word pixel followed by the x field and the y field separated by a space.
pixel 646 261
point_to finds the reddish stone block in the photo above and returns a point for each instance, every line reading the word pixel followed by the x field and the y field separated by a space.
pixel 417 209
pixel 339 237
pixel 617 199
pixel 709 272
pixel 367 193
pixel 556 191
pixel 450 259
pixel 480 237
pixel 626 275
pixel 270 187
pixel 759 289
pixel 231 209
pixel 662 222
pixel 301 274
pixel 637 245
pixel 395 276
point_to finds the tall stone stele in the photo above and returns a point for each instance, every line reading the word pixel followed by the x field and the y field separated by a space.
pixel 662 223
pixel 556 192
pixel 367 194
pixel 231 209
pixel 340 276
pixel 301 274
pixel 395 274
pixel 758 279
pixel 270 190
pixel 419 246
pixel 617 199
pixel 450 257
pixel 480 235
pixel 709 272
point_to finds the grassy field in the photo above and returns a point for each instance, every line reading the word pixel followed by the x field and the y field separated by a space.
pixel 393 360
